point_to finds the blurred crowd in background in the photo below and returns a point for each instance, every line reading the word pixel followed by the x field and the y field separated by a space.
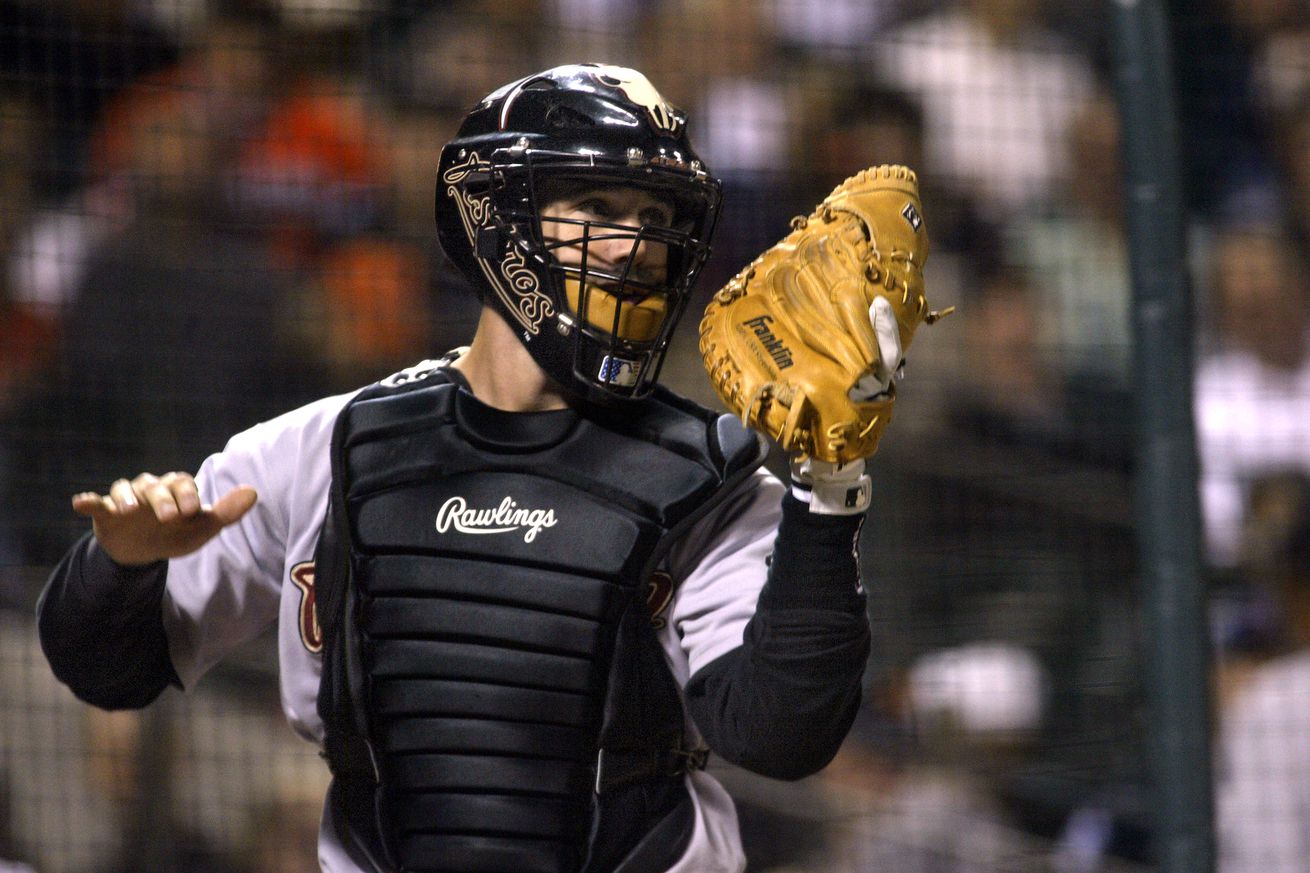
pixel 214 210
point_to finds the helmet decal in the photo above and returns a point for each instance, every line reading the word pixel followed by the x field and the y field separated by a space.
pixel 526 302
pixel 530 306
pixel 639 90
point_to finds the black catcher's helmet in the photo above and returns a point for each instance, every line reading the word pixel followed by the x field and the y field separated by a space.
pixel 569 128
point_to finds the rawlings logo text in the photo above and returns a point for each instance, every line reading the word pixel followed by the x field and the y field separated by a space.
pixel 777 350
pixel 506 517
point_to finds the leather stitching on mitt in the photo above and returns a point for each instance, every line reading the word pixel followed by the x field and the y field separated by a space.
pixel 786 341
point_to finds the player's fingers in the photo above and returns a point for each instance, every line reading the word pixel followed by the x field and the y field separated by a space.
pixel 92 504
pixel 234 504
pixel 185 493
pixel 156 495
pixel 123 496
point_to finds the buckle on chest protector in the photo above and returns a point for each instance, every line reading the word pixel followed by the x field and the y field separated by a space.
pixel 615 769
pixel 692 759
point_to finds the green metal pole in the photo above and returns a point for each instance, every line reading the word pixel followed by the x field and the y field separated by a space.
pixel 1166 503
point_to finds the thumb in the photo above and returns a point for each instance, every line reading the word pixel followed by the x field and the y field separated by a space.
pixel 231 506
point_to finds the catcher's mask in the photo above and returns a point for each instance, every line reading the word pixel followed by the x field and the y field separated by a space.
pixel 593 294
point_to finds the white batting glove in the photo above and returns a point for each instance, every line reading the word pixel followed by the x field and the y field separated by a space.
pixel 890 365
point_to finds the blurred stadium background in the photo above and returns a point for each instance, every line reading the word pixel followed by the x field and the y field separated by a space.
pixel 212 210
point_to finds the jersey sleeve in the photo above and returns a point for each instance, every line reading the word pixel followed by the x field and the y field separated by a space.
pixel 229 591
pixel 719 569
pixel 117 636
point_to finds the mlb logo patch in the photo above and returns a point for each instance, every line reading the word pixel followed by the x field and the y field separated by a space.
pixel 912 216
pixel 619 371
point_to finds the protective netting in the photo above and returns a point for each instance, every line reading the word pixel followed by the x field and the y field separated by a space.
pixel 214 211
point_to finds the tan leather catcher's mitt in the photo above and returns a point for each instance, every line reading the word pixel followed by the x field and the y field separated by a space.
pixel 792 343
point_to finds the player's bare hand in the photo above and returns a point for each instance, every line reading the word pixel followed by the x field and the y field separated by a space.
pixel 151 518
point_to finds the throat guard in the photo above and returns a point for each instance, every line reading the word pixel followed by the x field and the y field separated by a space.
pixel 494 697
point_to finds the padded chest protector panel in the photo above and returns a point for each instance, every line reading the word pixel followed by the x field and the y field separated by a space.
pixel 491 636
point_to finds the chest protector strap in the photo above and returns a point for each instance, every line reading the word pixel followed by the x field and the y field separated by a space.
pixel 494 696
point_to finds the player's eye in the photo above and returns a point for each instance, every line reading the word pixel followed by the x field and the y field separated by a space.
pixel 657 216
pixel 608 209
pixel 598 207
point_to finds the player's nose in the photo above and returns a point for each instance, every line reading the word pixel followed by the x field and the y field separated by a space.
pixel 636 253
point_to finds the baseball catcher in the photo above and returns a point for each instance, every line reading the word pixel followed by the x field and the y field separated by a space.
pixel 522 591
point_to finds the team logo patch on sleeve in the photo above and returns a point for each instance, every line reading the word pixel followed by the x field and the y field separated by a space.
pixel 659 594
pixel 311 635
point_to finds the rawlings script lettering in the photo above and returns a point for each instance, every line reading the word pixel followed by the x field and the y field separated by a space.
pixel 506 517
pixel 777 350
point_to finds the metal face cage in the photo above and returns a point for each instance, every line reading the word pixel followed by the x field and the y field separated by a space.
pixel 602 356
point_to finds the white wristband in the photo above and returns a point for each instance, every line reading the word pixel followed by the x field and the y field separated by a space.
pixel 831 489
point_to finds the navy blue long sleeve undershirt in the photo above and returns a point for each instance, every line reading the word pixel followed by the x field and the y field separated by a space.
pixel 101 627
pixel 780 704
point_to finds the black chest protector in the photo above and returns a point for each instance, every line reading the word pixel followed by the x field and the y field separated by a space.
pixel 494 696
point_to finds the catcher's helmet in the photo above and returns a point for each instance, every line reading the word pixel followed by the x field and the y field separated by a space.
pixel 568 128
